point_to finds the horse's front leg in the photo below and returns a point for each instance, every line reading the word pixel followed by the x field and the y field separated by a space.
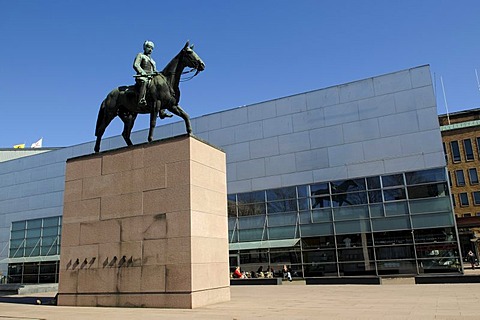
pixel 177 110
pixel 153 119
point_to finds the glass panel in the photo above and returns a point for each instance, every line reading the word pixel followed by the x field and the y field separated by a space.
pixel 373 183
pixel 317 229
pixel 320 270
pixel 283 219
pixel 17 252
pixel 303 204
pixel 324 215
pixel 305 217
pixel 394 194
pixel 396 208
pixel 350 185
pixel 32 242
pixel 319 256
pixel 463 199
pixel 455 151
pixel 231 223
pixel 460 177
pixel 393 223
pixel 425 176
pixel 356 226
pixel 51 231
pixel 376 210
pixel 17 234
pixel 395 252
pixel 282 206
pixel 435 235
pixel 50 222
pixel 439 265
pixel 473 175
pixel 476 198
pixel 48 250
pixel 253 256
pixel 302 191
pixel 397 267
pixel 357 269
pixel 354 240
pixel 321 202
pixel 250 235
pixel 251 209
pixel 347 213
pixel 286 257
pixel 288 232
pixel 428 191
pixel 348 199
pixel 281 193
pixel 355 254
pixel 318 242
pixel 436 250
pixel 37 223
pixel 232 208
pixel 393 237
pixel 48 241
pixel 467 148
pixel 251 197
pixel 33 233
pixel 251 222
pixel 375 196
pixel 32 252
pixel 18 225
pixel 430 205
pixel 432 220
pixel 392 180
pixel 319 189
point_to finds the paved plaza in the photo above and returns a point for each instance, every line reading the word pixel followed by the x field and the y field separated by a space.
pixel 290 301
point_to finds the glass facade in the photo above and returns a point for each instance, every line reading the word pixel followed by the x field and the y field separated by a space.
pixel 34 250
pixel 382 225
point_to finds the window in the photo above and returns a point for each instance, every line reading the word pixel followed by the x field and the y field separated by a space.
pixel 445 152
pixel 468 149
pixel 453 200
pixel 472 173
pixel 467 214
pixel 463 199
pixel 478 147
pixel 450 179
pixel 455 151
pixel 460 177
pixel 476 198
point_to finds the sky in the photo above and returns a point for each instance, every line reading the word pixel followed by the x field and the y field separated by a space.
pixel 60 58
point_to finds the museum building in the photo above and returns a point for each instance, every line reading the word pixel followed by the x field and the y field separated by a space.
pixel 343 181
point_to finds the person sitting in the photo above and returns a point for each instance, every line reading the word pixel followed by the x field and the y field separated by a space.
pixel 237 273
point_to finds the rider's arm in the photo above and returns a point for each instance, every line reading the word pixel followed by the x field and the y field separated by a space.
pixel 137 64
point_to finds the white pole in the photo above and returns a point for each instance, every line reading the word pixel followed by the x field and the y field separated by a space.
pixel 478 83
pixel 445 99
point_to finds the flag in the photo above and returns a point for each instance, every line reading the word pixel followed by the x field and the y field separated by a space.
pixel 19 146
pixel 37 144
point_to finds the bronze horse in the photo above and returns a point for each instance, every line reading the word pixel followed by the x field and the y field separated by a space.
pixel 163 93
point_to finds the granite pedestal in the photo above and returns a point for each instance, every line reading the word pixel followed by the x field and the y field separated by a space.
pixel 146 226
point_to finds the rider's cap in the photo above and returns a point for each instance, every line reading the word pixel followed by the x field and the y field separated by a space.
pixel 148 42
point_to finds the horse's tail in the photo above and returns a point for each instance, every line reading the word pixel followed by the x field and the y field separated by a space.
pixel 100 118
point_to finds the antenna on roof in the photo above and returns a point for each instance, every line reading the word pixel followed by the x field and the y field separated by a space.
pixel 478 83
pixel 445 99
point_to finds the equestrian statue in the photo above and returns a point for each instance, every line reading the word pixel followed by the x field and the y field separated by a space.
pixel 154 93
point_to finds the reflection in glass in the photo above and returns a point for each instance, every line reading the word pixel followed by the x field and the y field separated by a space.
pixel 319 256
pixel 281 194
pixel 282 206
pixel 395 252
pixel 357 269
pixel 320 269
pixel 375 196
pixel 394 194
pixel 350 185
pixel 350 213
pixel 318 242
pixel 323 215
pixel 392 180
pixel 396 208
pixel 425 176
pixel 251 197
pixel 287 232
pixel 373 183
pixel 393 237
pixel 355 254
pixel 321 202
pixel 349 199
pixel 282 219
pixel 428 191
pixel 397 267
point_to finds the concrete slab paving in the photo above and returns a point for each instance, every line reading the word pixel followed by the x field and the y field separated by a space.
pixel 406 301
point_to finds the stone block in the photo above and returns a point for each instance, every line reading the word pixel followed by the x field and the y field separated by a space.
pixel 73 190
pixel 98 280
pixel 208 201
pixel 153 278
pixel 209 250
pixel 178 173
pixel 67 300
pixel 204 224
pixel 210 275
pixel 178 277
pixel 70 234
pixel 154 177
pixel 68 281
pixel 81 211
pixel 101 186
pixel 121 206
pixel 117 161
pixel 171 150
pixel 154 252
pixel 130 279
pixel 178 224
pixel 99 232
pixel 203 298
pixel 179 251
pixel 208 178
pixel 208 155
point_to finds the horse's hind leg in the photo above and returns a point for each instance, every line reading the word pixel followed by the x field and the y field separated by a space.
pixel 103 120
pixel 128 122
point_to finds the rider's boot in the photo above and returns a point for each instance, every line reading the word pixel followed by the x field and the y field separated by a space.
pixel 163 114
pixel 143 90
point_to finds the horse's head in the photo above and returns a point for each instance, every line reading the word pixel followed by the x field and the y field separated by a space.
pixel 191 59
